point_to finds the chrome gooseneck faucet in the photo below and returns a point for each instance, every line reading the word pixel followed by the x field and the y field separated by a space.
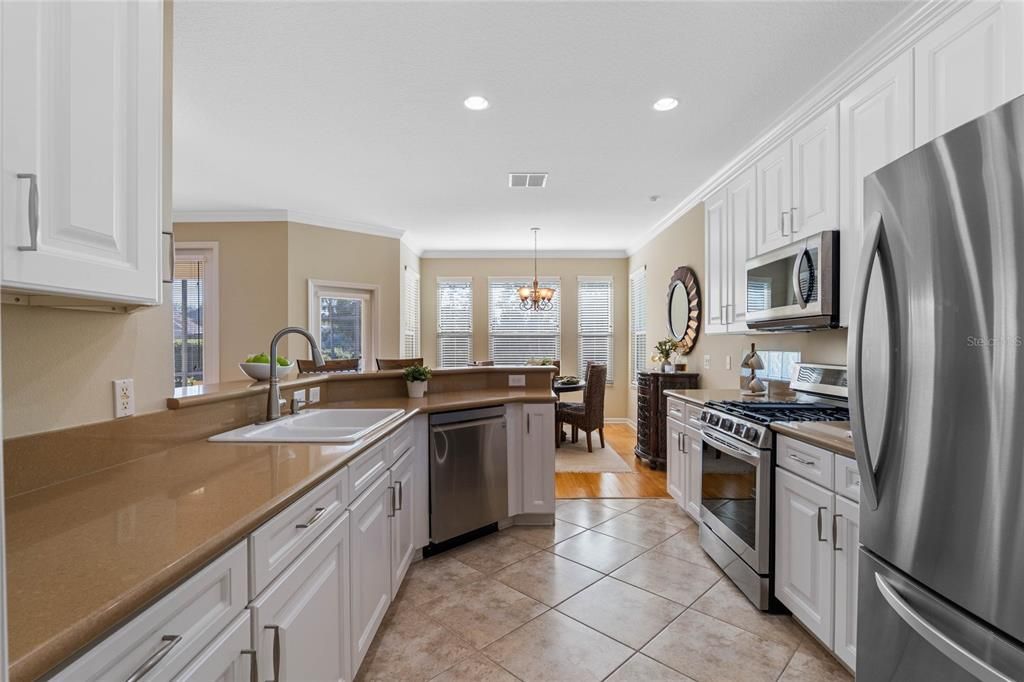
pixel 274 395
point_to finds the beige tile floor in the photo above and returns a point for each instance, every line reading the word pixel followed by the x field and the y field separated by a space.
pixel 618 590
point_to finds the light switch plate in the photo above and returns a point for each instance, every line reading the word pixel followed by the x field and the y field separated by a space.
pixel 124 398
pixel 314 394
pixel 707 362
pixel 517 380
pixel 728 362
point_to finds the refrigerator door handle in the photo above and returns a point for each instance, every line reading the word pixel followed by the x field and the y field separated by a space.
pixel 942 642
pixel 872 240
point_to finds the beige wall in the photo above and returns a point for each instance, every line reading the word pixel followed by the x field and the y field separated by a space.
pixel 682 243
pixel 252 277
pixel 568 270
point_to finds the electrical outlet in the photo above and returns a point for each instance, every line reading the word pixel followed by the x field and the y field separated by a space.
pixel 728 362
pixel 314 394
pixel 516 379
pixel 124 397
pixel 300 394
pixel 707 362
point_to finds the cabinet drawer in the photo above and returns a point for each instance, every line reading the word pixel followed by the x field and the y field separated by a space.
pixel 693 415
pixel 367 468
pixel 807 461
pixel 400 441
pixel 676 409
pixel 224 659
pixel 847 481
pixel 279 541
pixel 171 632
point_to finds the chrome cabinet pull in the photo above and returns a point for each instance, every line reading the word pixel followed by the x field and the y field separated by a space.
pixel 801 460
pixel 400 489
pixel 821 509
pixel 33 211
pixel 782 221
pixel 527 422
pixel 254 672
pixel 319 512
pixel 792 220
pixel 392 489
pixel 686 443
pixel 167 643
pixel 277 651
pixel 835 532
pixel 679 441
pixel 170 259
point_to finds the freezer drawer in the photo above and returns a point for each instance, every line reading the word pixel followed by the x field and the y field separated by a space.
pixel 907 632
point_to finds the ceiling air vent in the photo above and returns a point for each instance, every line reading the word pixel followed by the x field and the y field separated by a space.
pixel 527 180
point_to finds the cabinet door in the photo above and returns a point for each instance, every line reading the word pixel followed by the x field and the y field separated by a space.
pixel 539 459
pixel 847 525
pixel 675 466
pixel 741 198
pixel 876 126
pixel 403 547
pixel 370 565
pixel 774 198
pixel 803 551
pixel 816 176
pixel 301 620
pixel 229 658
pixel 694 470
pixel 83 112
pixel 966 66
pixel 715 264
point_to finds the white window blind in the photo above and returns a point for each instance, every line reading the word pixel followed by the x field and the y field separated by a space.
pixel 759 293
pixel 596 339
pixel 411 315
pixel 518 335
pixel 454 321
pixel 189 319
pixel 637 322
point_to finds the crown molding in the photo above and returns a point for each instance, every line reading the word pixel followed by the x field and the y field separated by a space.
pixel 283 215
pixel 526 254
pixel 896 36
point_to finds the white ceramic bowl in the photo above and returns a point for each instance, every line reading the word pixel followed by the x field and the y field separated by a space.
pixel 260 371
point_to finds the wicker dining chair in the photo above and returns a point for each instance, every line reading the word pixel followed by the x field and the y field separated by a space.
pixel 347 365
pixel 402 363
pixel 587 416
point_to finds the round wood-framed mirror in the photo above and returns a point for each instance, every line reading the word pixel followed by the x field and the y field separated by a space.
pixel 684 309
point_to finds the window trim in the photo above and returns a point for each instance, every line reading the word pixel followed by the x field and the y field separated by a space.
pixel 407 274
pixel 634 276
pixel 211 306
pixel 438 334
pixel 372 294
pixel 521 281
pixel 610 280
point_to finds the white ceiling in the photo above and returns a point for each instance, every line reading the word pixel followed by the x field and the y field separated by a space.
pixel 353 110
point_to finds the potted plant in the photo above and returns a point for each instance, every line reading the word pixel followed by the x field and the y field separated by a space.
pixel 416 380
pixel 663 351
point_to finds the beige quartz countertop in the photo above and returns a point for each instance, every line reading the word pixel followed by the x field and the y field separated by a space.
pixel 86 554
pixel 834 436
pixel 699 396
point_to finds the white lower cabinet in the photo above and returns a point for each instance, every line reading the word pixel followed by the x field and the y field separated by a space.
pixel 403 545
pixel 683 468
pixel 229 658
pixel 816 545
pixel 538 460
pixel 371 564
pixel 300 624
pixel 694 471
pixel 675 466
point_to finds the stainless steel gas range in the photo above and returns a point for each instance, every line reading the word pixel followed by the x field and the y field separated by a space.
pixel 737 479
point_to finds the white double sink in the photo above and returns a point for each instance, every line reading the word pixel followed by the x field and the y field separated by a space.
pixel 314 426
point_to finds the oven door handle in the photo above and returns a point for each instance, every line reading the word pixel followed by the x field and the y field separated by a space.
pixel 730 449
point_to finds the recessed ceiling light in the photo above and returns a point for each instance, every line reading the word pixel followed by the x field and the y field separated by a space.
pixel 476 103
pixel 663 104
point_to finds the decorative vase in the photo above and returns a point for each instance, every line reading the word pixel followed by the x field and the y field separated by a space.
pixel 416 388
pixel 668 367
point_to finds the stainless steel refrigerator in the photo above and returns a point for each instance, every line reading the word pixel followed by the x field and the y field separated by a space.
pixel 936 358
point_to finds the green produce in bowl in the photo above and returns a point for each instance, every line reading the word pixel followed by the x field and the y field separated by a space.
pixel 283 362
pixel 264 359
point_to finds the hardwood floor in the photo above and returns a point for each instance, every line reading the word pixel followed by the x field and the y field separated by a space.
pixel 640 482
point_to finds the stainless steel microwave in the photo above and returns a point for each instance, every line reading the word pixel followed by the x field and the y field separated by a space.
pixel 795 287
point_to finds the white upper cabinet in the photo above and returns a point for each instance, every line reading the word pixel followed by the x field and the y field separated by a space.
pixel 876 126
pixel 82 113
pixel 816 176
pixel 969 64
pixel 774 198
pixel 715 280
pixel 741 207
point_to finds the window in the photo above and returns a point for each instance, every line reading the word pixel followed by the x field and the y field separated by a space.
pixel 341 320
pixel 759 293
pixel 517 335
pixel 596 337
pixel 637 322
pixel 454 321
pixel 194 312
pixel 778 364
pixel 410 314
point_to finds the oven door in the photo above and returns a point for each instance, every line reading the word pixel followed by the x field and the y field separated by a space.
pixel 794 286
pixel 736 497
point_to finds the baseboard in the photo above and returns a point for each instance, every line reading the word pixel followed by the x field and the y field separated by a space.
pixel 616 420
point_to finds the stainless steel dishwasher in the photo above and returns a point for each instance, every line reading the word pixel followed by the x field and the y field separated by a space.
pixel 468 471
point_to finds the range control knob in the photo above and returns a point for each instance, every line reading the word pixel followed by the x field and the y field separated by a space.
pixel 751 434
pixel 727 425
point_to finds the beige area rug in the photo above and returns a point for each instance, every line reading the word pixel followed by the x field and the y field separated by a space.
pixel 573 457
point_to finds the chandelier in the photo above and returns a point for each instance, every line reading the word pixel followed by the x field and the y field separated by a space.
pixel 535 297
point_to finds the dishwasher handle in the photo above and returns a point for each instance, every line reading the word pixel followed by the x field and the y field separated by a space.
pixel 467 425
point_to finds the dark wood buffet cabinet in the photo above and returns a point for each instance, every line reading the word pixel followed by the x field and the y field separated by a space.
pixel 650 411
